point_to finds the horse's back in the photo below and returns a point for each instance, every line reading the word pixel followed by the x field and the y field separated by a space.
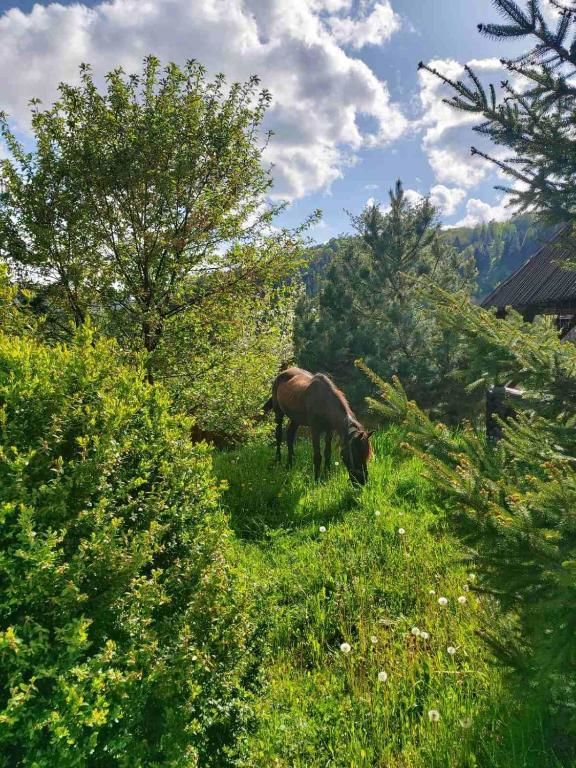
pixel 289 393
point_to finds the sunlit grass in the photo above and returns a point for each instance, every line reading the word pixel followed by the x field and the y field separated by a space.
pixel 356 669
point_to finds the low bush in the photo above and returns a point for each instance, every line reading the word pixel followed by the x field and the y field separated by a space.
pixel 122 632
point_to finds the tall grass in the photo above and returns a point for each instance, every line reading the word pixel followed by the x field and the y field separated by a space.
pixel 372 579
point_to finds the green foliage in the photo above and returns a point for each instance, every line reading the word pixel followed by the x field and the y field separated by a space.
pixel 368 304
pixel 122 632
pixel 515 502
pixel 498 248
pixel 534 119
pixel 144 207
pixel 318 707
pixel 233 352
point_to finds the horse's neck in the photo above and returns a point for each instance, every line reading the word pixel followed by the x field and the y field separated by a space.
pixel 347 426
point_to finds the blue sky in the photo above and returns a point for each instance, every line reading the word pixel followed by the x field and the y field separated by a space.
pixel 351 113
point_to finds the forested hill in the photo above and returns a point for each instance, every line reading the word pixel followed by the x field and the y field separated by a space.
pixel 498 249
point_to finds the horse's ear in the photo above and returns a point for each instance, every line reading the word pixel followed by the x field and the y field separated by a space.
pixel 369 434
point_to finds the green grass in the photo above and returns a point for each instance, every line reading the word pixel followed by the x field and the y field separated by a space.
pixel 315 706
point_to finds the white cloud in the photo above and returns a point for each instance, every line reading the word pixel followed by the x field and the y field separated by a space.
pixel 445 199
pixel 447 132
pixel 296 46
pixel 377 23
pixel 479 212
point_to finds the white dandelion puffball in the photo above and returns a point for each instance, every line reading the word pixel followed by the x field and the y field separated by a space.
pixel 433 715
pixel 336 463
pixel 424 635
pixel 322 529
pixel 415 631
pixel 471 577
pixel 462 599
pixel 401 531
pixel 466 722
pixel 451 650
pixel 382 676
pixel 432 592
pixel 373 639
pixel 442 601
pixel 466 588
pixel 377 512
pixel 345 647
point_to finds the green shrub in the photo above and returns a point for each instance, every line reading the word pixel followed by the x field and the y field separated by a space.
pixel 121 632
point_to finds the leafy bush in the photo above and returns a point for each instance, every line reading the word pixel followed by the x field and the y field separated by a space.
pixel 121 639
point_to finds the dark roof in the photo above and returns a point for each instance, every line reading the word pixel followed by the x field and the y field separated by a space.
pixel 541 283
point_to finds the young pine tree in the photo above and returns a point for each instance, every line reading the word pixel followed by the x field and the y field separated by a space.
pixel 369 303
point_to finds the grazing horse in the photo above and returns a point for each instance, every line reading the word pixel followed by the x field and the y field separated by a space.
pixel 313 401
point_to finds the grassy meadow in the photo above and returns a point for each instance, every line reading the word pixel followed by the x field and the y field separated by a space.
pixel 326 566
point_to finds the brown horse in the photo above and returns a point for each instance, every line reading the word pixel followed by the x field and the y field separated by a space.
pixel 313 401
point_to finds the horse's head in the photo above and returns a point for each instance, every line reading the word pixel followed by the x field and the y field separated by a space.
pixel 356 452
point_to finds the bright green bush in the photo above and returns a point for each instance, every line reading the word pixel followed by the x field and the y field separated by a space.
pixel 121 631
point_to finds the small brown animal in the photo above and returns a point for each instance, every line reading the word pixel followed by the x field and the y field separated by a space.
pixel 314 401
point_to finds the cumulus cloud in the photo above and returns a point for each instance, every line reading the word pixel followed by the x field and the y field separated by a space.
pixel 479 212
pixel 447 132
pixel 298 47
pixel 376 24
pixel 445 199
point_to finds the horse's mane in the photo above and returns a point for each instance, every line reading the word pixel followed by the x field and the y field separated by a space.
pixel 346 405
pixel 338 392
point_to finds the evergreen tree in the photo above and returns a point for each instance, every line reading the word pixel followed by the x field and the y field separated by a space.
pixel 369 306
pixel 534 119
pixel 514 503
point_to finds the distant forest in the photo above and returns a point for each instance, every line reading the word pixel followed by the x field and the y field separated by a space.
pixel 498 249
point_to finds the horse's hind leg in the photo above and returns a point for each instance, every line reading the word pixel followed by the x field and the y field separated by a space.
pixel 290 440
pixel 317 453
pixel 328 451
pixel 279 420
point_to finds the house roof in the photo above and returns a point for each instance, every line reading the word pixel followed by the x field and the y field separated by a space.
pixel 541 284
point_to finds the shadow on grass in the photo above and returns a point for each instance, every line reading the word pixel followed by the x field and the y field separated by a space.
pixel 263 496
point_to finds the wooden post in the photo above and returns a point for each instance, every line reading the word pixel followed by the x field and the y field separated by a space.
pixel 499 407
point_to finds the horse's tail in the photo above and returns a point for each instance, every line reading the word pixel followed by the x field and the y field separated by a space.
pixel 268 405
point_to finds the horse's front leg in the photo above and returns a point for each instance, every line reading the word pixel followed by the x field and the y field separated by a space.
pixel 317 453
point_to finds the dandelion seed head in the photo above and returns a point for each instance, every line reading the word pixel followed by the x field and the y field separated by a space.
pixel 466 722
pixel 345 647
pixel 336 463
pixel 415 631
pixel 451 650
pixel 442 601
pixel 462 599
pixel 433 715
pixel 373 639
pixel 377 512
pixel 466 588
pixel 424 635
pixel 471 577
pixel 432 592
pixel 401 531
pixel 382 676
pixel 322 529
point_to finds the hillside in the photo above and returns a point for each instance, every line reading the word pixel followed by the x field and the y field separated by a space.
pixel 498 248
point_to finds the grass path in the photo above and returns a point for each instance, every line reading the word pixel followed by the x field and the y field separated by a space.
pixel 328 565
